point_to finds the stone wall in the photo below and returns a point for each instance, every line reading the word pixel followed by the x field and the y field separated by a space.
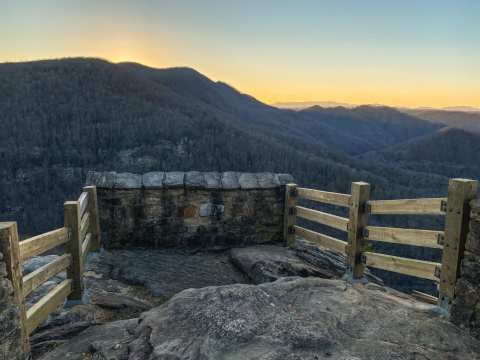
pixel 466 306
pixel 192 209
pixel 10 335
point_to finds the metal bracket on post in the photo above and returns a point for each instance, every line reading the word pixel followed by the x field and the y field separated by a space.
pixel 366 207
pixel 438 271
pixel 440 239
pixel 443 206
pixel 365 233
pixel 363 259
pixel 290 214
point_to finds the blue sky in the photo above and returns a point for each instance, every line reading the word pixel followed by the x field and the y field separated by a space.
pixel 399 53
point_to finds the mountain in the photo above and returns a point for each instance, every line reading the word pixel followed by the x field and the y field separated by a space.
pixel 61 118
pixel 449 152
pixel 467 120
pixel 462 108
pixel 364 128
pixel 300 105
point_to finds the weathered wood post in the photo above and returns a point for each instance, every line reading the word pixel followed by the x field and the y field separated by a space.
pixel 358 219
pixel 74 247
pixel 11 255
pixel 290 214
pixel 460 193
pixel 94 216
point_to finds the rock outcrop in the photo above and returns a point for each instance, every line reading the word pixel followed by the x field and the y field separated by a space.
pixel 265 263
pixel 291 318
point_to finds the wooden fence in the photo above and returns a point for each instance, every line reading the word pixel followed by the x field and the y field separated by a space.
pixel 79 235
pixel 451 240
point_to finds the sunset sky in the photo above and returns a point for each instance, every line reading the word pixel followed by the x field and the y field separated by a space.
pixel 407 53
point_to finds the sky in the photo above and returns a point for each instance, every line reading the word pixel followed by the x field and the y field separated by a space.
pixel 399 53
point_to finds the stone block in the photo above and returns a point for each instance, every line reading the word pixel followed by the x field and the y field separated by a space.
pixel 128 181
pixel 153 180
pixel 230 180
pixel 195 180
pixel 174 179
pixel 213 180
pixel 210 209
pixel 190 211
pixel 105 179
pixel 267 180
pixel 284 179
pixel 248 181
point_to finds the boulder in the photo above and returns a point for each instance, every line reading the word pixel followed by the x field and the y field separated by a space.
pixel 291 318
pixel 264 263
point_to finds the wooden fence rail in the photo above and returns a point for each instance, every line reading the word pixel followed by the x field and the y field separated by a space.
pixel 80 234
pixel 325 197
pixel 450 240
pixel 428 206
pixel 336 222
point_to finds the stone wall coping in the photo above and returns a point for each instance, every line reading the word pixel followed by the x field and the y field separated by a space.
pixel 229 180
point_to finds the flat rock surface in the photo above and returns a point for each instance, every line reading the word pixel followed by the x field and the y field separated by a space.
pixel 291 318
pixel 166 272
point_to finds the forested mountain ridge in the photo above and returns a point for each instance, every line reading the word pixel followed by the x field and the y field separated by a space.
pixel 367 127
pixel 61 118
pixel 466 120
pixel 449 152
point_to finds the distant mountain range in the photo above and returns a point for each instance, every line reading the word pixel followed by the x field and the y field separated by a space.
pixel 300 105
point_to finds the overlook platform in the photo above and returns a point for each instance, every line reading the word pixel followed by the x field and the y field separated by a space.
pixel 153 261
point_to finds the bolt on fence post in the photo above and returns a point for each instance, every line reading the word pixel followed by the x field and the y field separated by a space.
pixel 74 247
pixel 460 192
pixel 358 220
pixel 94 216
pixel 11 255
pixel 289 217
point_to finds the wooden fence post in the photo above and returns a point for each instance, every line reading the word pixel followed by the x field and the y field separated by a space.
pixel 460 192
pixel 94 216
pixel 358 219
pixel 290 214
pixel 11 255
pixel 74 247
